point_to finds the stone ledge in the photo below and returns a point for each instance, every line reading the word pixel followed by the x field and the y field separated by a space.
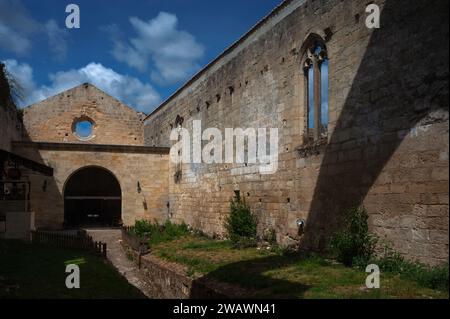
pixel 92 147
pixel 313 148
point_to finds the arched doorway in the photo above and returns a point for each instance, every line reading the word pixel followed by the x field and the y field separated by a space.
pixel 92 197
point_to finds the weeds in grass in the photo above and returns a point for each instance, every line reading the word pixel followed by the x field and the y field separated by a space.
pixel 156 233
pixel 436 277
pixel 208 245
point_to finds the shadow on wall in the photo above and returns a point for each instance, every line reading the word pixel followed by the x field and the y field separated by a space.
pixel 40 185
pixel 47 214
pixel 401 82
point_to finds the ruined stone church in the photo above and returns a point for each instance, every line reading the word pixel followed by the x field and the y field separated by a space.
pixel 381 140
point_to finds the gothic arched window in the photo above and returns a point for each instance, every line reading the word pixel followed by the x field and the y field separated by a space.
pixel 315 68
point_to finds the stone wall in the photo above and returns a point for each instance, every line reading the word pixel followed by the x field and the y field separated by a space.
pixel 387 145
pixel 116 146
pixel 150 170
pixel 52 120
pixel 168 280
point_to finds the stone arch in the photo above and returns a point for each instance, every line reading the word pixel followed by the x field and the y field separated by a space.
pixel 310 40
pixel 92 197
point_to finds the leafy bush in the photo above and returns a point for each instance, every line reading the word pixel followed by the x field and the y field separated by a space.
pixel 168 232
pixel 143 228
pixel 353 244
pixel 157 233
pixel 390 260
pixel 434 277
pixel 241 224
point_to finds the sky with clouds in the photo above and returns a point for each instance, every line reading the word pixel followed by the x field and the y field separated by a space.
pixel 137 51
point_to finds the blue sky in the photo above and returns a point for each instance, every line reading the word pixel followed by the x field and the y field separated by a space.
pixel 324 95
pixel 137 51
pixel 83 128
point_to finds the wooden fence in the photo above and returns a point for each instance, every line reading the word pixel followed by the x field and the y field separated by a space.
pixel 81 240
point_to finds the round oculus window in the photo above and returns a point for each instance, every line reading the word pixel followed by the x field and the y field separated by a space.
pixel 83 128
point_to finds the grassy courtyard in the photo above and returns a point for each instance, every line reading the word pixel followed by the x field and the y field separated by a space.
pixel 270 273
pixel 31 271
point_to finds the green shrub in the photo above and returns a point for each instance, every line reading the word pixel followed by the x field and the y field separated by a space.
pixel 156 233
pixel 168 232
pixel 143 228
pixel 353 244
pixel 241 224
pixel 436 277
pixel 390 260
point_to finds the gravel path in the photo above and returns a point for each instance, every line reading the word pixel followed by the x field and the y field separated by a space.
pixel 117 257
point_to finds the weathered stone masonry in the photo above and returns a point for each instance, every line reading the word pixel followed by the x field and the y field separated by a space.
pixel 114 123
pixel 387 145
pixel 115 145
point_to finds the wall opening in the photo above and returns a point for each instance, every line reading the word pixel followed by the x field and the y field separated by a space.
pixel 315 67
pixel 83 128
pixel 92 198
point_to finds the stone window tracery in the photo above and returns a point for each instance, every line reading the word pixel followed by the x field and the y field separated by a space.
pixel 315 67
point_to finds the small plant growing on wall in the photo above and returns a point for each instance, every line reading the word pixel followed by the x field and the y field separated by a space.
pixel 241 223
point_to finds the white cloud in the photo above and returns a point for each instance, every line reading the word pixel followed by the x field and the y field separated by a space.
pixel 13 41
pixel 174 53
pixel 130 90
pixel 56 39
pixel 18 30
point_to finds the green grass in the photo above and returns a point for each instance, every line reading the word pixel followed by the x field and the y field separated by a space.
pixel 272 274
pixel 34 271
pixel 436 277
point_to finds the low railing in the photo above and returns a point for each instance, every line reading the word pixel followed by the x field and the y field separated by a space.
pixel 81 240
pixel 132 240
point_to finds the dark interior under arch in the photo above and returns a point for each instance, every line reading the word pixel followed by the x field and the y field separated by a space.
pixel 92 198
